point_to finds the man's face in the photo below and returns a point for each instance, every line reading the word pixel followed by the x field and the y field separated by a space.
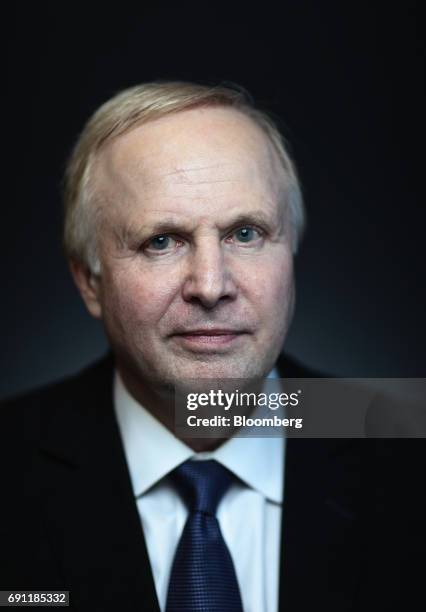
pixel 195 248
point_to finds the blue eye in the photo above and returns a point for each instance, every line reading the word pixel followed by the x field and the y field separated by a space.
pixel 245 234
pixel 163 244
pixel 159 243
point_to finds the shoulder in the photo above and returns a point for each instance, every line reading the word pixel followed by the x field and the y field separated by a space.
pixel 27 413
pixel 291 367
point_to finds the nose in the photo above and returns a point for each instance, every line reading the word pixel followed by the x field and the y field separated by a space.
pixel 208 279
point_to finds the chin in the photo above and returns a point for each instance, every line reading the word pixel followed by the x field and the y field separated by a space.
pixel 219 369
pixel 201 377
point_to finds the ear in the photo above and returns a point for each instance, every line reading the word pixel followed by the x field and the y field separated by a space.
pixel 88 285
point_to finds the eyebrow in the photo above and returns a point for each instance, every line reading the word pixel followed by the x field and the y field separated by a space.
pixel 254 218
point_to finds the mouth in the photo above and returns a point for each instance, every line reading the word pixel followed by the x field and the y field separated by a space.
pixel 207 340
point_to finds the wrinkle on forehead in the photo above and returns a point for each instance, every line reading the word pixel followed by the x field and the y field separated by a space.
pixel 184 171
pixel 190 175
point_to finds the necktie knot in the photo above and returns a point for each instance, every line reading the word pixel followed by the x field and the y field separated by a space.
pixel 202 484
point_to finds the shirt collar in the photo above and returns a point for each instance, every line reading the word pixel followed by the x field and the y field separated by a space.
pixel 259 462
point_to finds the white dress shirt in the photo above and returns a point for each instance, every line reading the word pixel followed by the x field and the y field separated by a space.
pixel 249 514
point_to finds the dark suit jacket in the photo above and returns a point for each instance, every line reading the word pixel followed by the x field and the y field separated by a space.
pixel 353 513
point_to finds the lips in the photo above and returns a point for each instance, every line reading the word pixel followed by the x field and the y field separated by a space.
pixel 209 332
pixel 207 339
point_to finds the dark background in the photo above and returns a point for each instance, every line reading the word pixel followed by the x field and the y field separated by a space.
pixel 347 80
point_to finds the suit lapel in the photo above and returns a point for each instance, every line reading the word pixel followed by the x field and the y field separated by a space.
pixel 91 516
pixel 320 535
pixel 320 545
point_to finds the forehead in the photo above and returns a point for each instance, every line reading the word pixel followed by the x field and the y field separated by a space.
pixel 203 158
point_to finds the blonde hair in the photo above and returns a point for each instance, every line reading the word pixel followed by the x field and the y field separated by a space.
pixel 138 105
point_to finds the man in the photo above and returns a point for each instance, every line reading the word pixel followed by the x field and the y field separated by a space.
pixel 182 215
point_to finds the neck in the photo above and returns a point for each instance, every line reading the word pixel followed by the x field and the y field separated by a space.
pixel 162 407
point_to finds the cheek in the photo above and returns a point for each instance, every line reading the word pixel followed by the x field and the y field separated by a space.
pixel 269 284
pixel 136 297
pixel 283 281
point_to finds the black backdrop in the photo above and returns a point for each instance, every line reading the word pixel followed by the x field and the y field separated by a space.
pixel 347 80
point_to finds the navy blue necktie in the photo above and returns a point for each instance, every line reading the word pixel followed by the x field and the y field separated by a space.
pixel 203 576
